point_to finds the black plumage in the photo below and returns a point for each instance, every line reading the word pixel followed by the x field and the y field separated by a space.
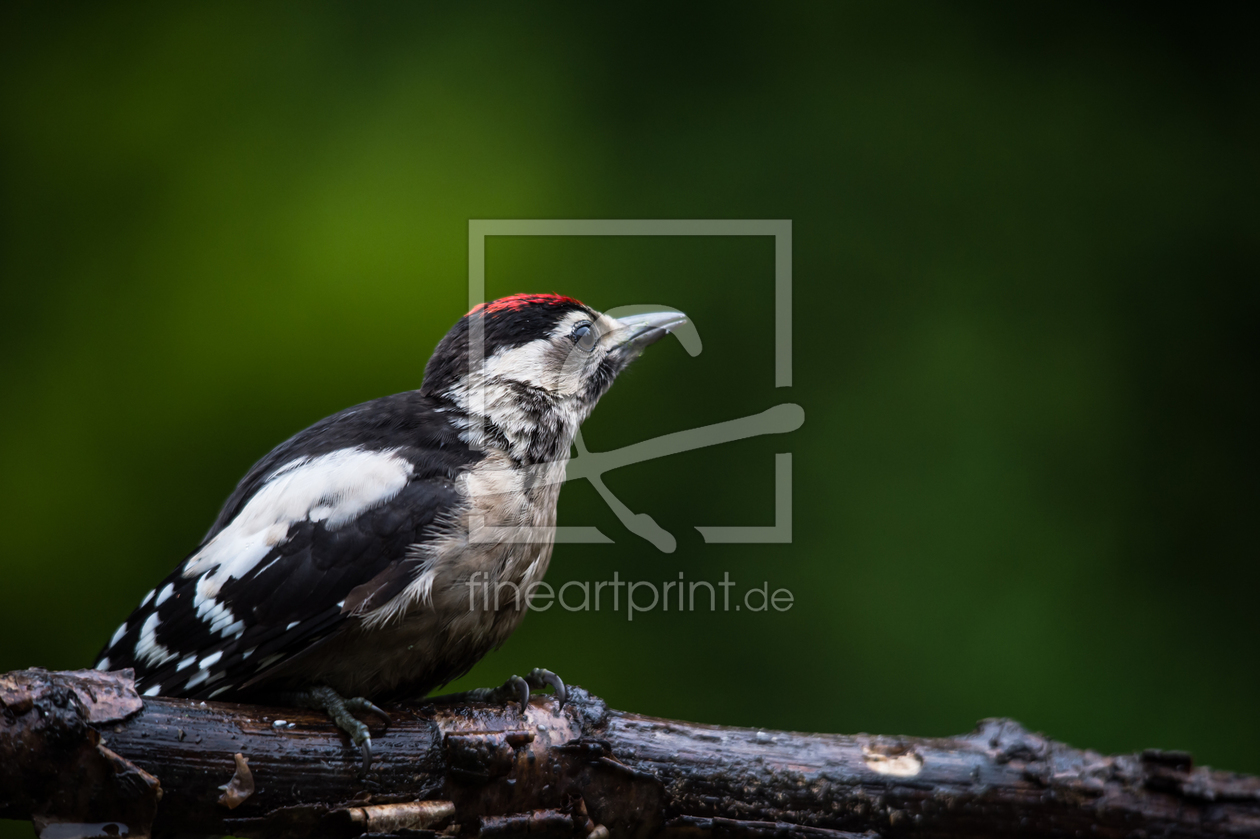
pixel 306 578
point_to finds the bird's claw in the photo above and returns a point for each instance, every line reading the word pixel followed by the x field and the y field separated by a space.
pixel 364 706
pixel 515 689
pixel 339 709
pixel 537 679
pixel 521 687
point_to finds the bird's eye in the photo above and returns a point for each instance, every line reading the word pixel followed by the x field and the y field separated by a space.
pixel 584 336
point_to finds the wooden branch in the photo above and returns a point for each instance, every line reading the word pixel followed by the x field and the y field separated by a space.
pixel 82 754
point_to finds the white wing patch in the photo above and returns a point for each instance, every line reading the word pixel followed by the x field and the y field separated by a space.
pixel 333 488
pixel 148 649
pixel 204 676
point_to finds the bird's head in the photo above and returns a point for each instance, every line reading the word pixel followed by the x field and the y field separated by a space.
pixel 530 368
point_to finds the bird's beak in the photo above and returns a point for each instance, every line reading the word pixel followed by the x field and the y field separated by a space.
pixel 634 332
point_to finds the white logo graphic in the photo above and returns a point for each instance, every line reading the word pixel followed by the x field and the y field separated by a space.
pixel 780 419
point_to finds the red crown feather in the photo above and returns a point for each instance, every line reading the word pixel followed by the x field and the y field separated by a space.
pixel 520 301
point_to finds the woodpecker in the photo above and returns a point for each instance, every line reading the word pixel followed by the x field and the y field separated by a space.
pixel 349 565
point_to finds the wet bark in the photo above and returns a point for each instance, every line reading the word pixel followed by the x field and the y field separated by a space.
pixel 82 754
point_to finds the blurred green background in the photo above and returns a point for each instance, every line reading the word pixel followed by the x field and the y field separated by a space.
pixel 1027 277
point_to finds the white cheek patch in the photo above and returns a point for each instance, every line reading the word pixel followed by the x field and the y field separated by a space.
pixel 333 488
pixel 554 363
pixel 531 364
pixel 555 366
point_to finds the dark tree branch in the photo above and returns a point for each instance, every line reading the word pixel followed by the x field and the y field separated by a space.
pixel 80 748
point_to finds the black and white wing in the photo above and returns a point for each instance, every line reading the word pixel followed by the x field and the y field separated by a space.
pixel 326 516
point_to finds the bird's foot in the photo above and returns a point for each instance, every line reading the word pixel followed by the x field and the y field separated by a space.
pixel 514 689
pixel 341 709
